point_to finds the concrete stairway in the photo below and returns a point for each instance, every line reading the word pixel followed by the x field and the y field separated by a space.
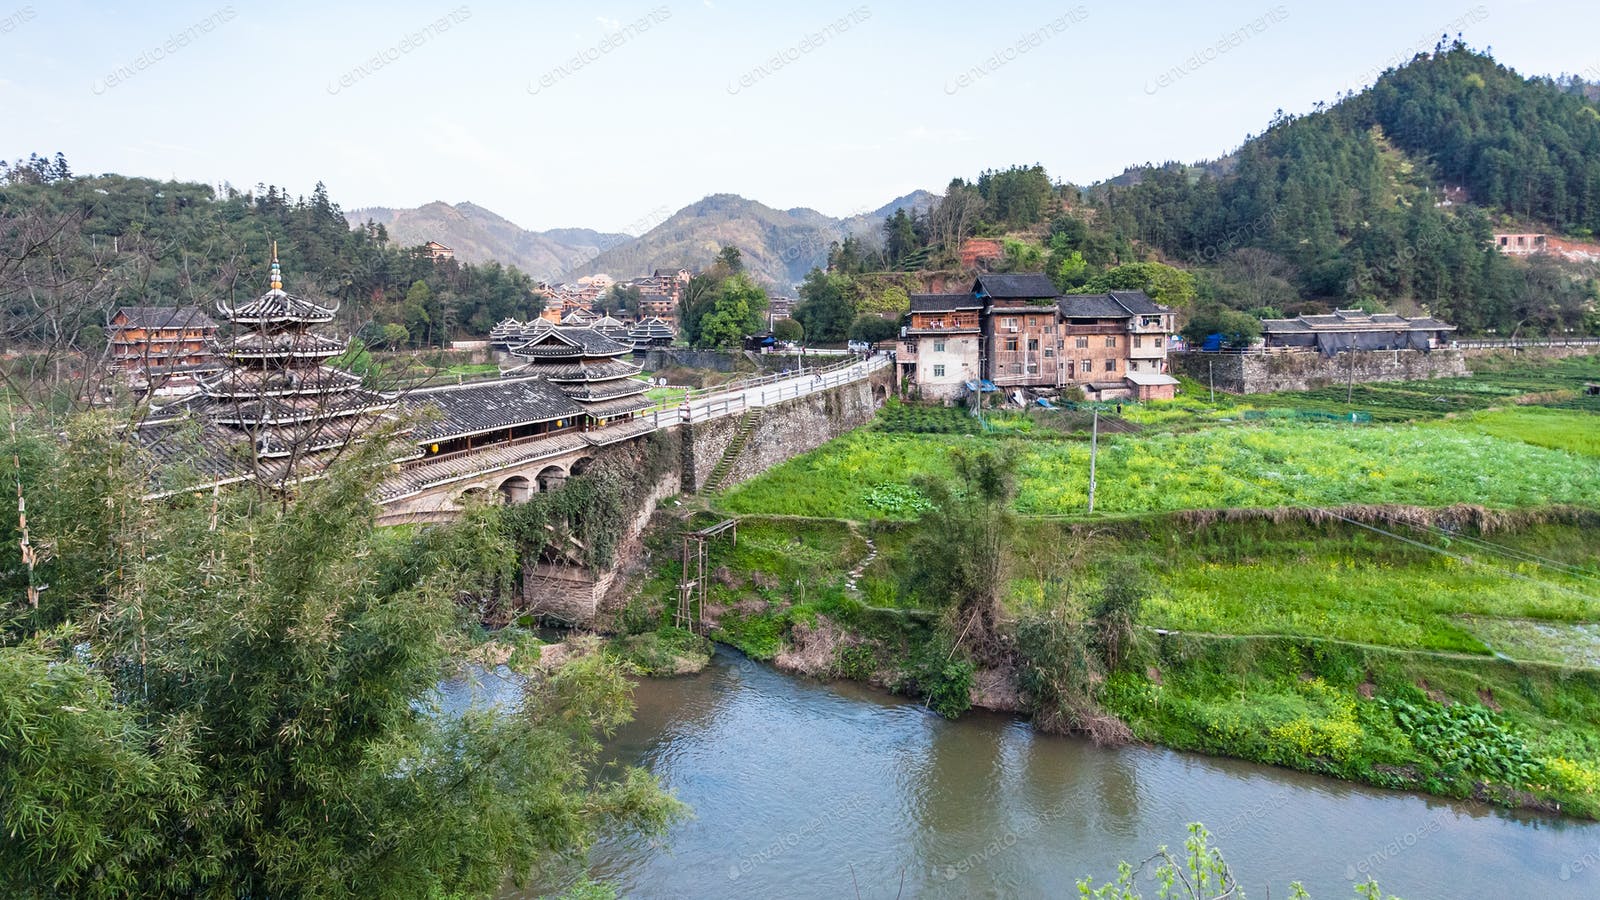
pixel 724 468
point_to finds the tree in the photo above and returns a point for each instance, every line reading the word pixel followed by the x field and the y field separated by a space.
pixel 730 261
pixel 1238 329
pixel 788 330
pixel 825 309
pixel 415 311
pixel 737 311
pixel 958 551
pixel 1163 283
pixel 623 298
pixel 872 329
pixel 231 696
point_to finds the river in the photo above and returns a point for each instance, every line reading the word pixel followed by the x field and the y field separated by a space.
pixel 805 789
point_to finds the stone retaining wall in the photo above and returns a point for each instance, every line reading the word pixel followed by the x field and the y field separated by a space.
pixel 1259 373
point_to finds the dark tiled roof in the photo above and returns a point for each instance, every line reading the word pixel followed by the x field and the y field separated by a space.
pixel 1027 286
pixel 1091 306
pixel 1138 303
pixel 1346 320
pixel 587 340
pixel 278 306
pixel 1115 305
pixel 605 390
pixel 600 370
pixel 944 302
pixel 164 317
pixel 449 412
pixel 606 409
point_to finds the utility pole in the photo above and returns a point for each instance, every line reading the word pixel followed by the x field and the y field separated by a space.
pixel 1211 374
pixel 1350 377
pixel 1094 448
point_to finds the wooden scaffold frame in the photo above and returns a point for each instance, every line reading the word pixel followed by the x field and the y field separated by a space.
pixel 691 615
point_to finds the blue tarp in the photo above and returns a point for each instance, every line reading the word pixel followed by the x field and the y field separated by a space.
pixel 1045 402
pixel 988 386
pixel 1212 344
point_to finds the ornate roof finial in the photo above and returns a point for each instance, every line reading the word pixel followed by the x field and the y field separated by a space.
pixel 277 275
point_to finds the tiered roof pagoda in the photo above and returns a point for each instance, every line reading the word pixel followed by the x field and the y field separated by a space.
pixel 277 394
pixel 588 367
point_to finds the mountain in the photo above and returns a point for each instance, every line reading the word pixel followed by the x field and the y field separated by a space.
pixel 1388 198
pixel 779 246
pixel 479 235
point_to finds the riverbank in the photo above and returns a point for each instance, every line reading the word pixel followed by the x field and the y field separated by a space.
pixel 849 791
pixel 1413 604
pixel 1283 638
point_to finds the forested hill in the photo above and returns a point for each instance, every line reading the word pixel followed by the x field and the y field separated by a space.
pixel 1388 197
pixel 85 245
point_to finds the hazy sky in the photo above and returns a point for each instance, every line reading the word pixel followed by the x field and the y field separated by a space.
pixel 614 114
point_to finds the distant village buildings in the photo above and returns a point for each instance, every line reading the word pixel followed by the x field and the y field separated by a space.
pixel 1018 332
pixel 1355 329
pixel 437 251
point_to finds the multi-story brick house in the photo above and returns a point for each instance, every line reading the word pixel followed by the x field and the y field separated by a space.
pixel 1108 337
pixel 940 347
pixel 1029 336
pixel 1021 333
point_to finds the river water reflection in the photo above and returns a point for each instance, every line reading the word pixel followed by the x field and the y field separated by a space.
pixel 802 789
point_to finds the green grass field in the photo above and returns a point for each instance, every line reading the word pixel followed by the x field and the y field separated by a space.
pixel 1243 465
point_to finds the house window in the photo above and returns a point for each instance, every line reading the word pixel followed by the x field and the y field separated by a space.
pixel 1049 352
pixel 938 346
pixel 1138 341
pixel 1033 344
pixel 1011 344
pixel 938 371
pixel 1111 365
pixel 1010 324
pixel 1087 366
pixel 1082 343
pixel 1033 368
pixel 1111 340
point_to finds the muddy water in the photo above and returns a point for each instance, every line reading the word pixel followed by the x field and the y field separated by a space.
pixel 803 789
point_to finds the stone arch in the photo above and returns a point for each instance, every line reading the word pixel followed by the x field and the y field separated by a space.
pixel 880 395
pixel 551 478
pixel 583 465
pixel 516 489
pixel 471 494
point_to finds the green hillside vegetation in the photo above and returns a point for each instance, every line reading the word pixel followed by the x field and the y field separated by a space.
pixel 1342 207
pixel 141 242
